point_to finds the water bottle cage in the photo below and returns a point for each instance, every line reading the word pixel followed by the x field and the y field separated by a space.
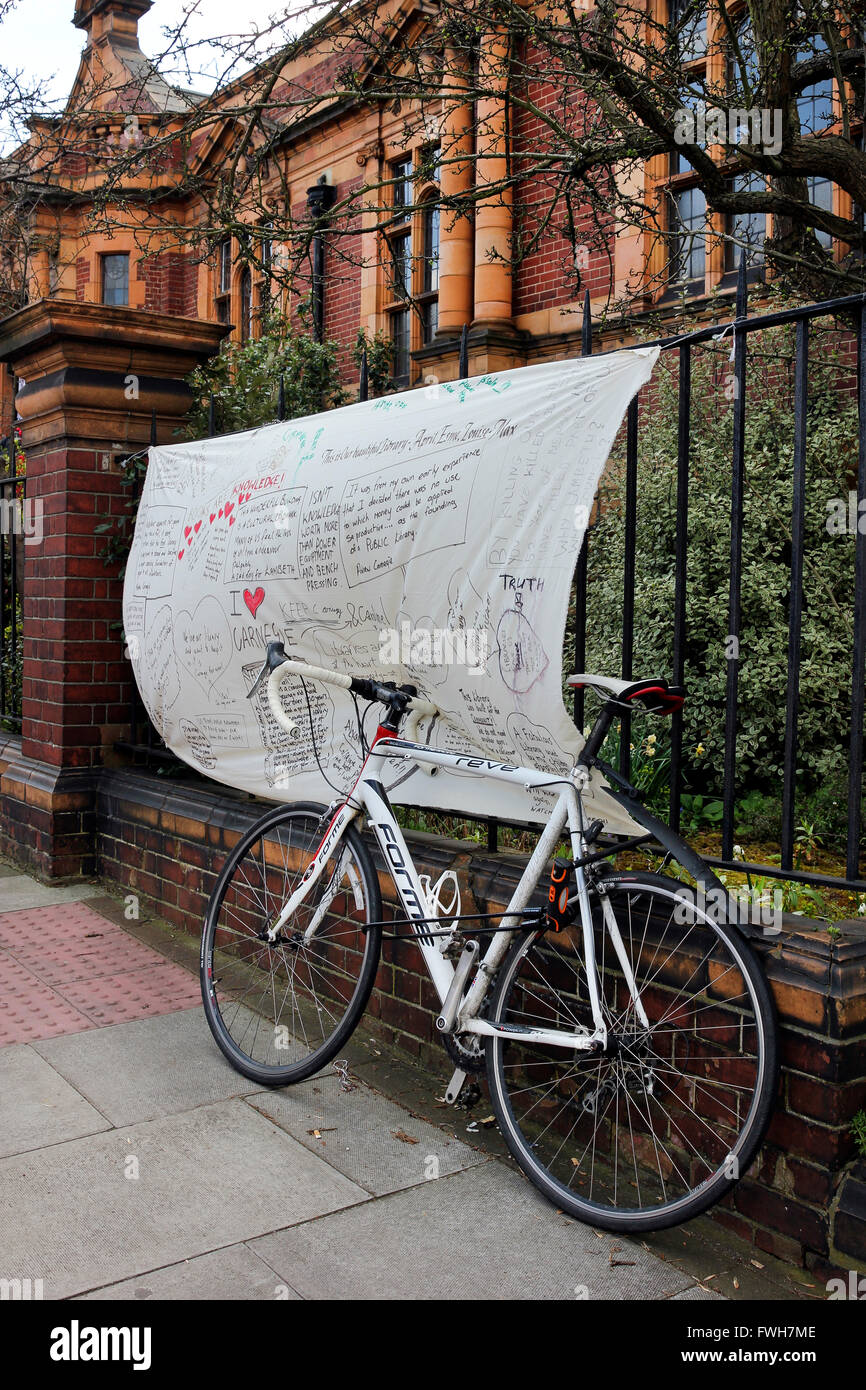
pixel 562 904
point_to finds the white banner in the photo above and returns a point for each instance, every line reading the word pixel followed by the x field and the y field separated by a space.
pixel 428 537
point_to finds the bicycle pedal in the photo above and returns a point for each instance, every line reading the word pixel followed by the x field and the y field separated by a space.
pixel 455 1086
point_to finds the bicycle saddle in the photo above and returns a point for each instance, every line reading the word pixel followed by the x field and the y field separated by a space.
pixel 655 694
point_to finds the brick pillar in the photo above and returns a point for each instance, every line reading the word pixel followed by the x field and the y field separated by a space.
pixel 475 276
pixel 89 378
pixel 456 233
pixel 493 216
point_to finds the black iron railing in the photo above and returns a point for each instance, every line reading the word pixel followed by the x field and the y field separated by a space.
pixel 739 328
pixel 853 309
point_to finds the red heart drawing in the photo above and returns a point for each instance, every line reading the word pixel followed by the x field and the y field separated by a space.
pixel 229 508
pixel 212 515
pixel 197 527
pixel 254 601
pixel 180 554
pixel 220 511
pixel 187 531
pixel 231 521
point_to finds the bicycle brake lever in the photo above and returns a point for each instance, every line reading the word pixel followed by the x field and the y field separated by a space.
pixel 275 657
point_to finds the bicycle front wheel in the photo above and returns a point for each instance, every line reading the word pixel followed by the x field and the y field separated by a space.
pixel 657 1128
pixel 281 1010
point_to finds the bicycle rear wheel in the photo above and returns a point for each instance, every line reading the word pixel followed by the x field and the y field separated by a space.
pixel 280 1011
pixel 657 1128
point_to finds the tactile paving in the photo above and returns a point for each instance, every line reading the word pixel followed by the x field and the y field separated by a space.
pixel 65 968
pixel 158 989
pixel 30 1010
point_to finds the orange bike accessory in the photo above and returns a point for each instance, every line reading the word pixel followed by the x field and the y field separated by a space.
pixel 561 909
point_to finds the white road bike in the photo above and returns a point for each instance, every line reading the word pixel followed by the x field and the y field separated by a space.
pixel 624 1023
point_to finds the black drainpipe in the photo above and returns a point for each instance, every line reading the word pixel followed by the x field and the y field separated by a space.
pixel 320 199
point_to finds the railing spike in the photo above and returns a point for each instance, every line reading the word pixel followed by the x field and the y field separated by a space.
pixel 586 328
pixel 364 383
pixel 742 288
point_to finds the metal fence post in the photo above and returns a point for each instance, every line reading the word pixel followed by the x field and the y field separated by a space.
pixel 628 578
pixel 732 646
pixel 858 675
pixel 581 570
pixel 684 427
pixel 795 611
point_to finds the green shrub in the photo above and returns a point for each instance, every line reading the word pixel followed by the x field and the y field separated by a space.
pixel 12 662
pixel 244 380
pixel 825 673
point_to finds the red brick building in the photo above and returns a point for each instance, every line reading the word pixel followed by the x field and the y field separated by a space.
pixel 103 228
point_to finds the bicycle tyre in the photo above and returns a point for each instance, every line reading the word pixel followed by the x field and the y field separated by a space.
pixel 293 988
pixel 540 1142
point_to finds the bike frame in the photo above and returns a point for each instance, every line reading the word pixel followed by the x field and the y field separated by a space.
pixel 368 797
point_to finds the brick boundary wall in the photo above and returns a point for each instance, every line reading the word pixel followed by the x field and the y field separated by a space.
pixel 803 1201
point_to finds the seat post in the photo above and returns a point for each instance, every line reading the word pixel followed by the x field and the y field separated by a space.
pixel 597 734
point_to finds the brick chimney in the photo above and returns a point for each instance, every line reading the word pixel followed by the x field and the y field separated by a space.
pixel 115 18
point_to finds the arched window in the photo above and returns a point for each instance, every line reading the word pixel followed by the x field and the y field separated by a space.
pixel 429 296
pixel 413 259
pixel 815 110
pixel 688 23
pixel 222 297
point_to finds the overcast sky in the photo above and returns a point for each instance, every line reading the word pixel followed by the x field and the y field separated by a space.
pixel 39 39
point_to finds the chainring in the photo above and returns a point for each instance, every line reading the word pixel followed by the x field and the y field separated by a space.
pixel 466 1050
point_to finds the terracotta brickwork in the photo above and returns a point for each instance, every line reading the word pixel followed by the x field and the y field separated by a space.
pixel 343 289
pixel 171 283
pixel 7 408
pixel 77 683
pixel 559 259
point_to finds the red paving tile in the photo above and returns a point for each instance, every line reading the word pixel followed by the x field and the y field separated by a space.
pixel 158 989
pixel 30 1010
pixel 65 968
pixel 59 966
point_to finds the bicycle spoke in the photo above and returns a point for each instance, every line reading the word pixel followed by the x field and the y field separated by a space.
pixel 279 1002
pixel 645 1128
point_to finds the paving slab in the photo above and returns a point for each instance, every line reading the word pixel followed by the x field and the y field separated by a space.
pixel 37 1106
pixel 234 1273
pixel 156 1066
pixel 375 1142
pixel 76 1216
pixel 19 891
pixel 481 1233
